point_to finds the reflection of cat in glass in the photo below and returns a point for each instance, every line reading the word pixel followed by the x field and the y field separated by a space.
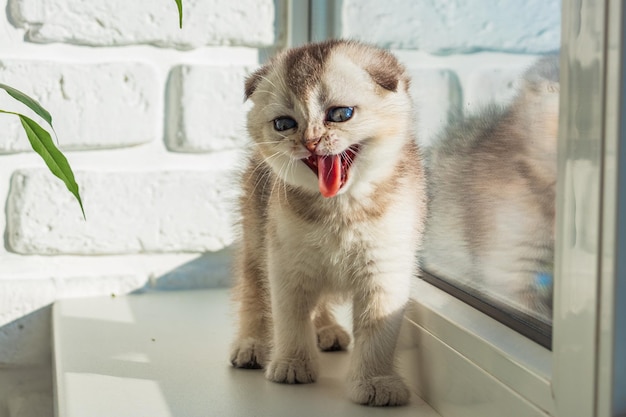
pixel 492 190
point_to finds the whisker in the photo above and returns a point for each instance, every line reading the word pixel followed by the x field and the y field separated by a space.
pixel 262 163
pixel 263 77
pixel 276 181
pixel 273 142
pixel 290 168
pixel 270 92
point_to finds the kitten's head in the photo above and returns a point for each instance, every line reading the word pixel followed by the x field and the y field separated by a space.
pixel 330 115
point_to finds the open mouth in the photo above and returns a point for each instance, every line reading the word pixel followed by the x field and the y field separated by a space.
pixel 332 170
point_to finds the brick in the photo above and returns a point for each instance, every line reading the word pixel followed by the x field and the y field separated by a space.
pixel 127 212
pixel 120 22
pixel 455 26
pixel 92 105
pixel 436 94
pixel 206 110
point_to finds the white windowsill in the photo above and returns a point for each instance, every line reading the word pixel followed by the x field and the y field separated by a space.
pixel 166 354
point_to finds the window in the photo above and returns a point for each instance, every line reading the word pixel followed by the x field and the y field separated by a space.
pixel 472 365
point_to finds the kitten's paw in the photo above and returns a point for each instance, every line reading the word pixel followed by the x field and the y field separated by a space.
pixel 388 390
pixel 332 338
pixel 292 371
pixel 249 353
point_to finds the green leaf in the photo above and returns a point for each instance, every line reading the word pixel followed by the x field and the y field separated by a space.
pixel 42 143
pixel 179 3
pixel 31 103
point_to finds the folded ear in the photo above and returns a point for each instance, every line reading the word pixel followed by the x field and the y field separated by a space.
pixel 253 81
pixel 386 71
pixel 385 79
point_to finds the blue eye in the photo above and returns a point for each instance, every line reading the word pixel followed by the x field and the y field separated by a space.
pixel 339 114
pixel 284 123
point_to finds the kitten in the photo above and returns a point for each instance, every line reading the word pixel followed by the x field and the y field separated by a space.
pixel 492 194
pixel 333 206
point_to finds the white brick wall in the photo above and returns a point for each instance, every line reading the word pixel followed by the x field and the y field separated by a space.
pixel 127 212
pixel 152 119
pixel 455 26
pixel 105 105
pixel 122 22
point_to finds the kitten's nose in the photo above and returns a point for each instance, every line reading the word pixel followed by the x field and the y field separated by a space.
pixel 311 144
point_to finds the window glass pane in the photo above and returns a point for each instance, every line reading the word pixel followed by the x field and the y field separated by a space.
pixel 486 89
pixel 492 179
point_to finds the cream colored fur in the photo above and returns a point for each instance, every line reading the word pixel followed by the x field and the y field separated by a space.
pixel 492 187
pixel 301 252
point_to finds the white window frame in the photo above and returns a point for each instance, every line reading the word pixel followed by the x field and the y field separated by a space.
pixel 470 365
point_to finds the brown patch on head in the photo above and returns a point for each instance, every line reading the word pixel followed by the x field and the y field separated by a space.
pixel 304 65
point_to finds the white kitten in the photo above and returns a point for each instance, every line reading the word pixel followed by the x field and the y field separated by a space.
pixel 333 207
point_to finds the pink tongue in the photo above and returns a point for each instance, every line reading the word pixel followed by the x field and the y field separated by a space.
pixel 329 174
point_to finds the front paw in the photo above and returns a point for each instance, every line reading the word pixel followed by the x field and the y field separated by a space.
pixel 388 390
pixel 249 353
pixel 292 371
pixel 332 338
